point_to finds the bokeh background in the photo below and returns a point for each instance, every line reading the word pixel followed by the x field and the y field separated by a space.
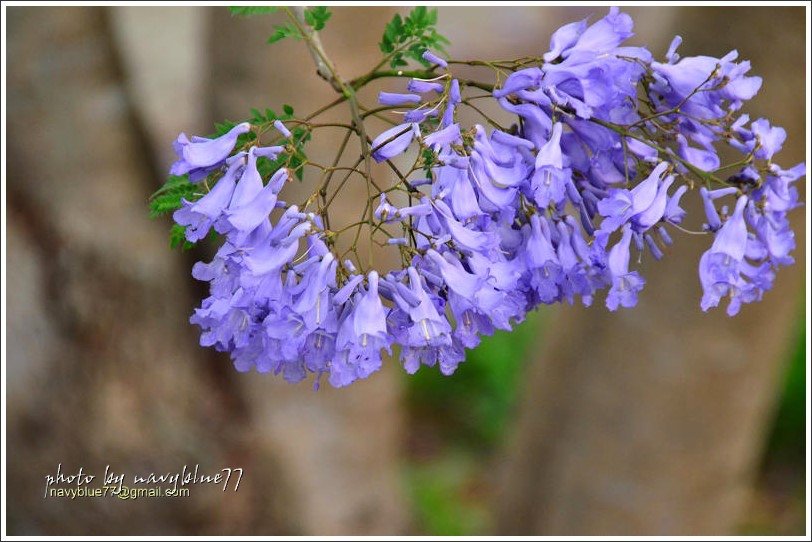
pixel 659 420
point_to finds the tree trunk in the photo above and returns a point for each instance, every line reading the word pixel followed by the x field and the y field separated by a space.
pixel 103 366
pixel 650 421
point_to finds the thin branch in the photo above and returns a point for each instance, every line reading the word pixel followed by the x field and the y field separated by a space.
pixel 324 67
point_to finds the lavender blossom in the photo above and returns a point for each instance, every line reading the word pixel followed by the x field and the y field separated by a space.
pixel 200 154
pixel 492 220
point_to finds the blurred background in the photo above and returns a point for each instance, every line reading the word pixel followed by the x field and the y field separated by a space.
pixel 656 421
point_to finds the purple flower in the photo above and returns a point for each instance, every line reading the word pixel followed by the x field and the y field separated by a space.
pixel 603 36
pixel 311 298
pixel 418 326
pixel 625 285
pixel 775 235
pixel 550 180
pixel 394 141
pixel 281 128
pixel 769 139
pixel 385 211
pixel 706 160
pixel 498 220
pixel 277 249
pixel 419 115
pixel 454 99
pixel 564 38
pixel 430 57
pixel 467 239
pixel 493 197
pixel 395 98
pixel 252 202
pixel 200 153
pixel 642 150
pixel 442 138
pixel 712 215
pixel 454 187
pixel 575 278
pixel 528 78
pixel 542 264
pixel 673 212
pixel 537 123
pixel 361 337
pixel 720 265
pixel 701 84
pixel 623 205
pixel 421 86
pixel 779 194
pixel 652 214
pixel 199 216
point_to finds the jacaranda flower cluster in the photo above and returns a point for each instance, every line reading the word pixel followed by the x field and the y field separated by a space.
pixel 590 178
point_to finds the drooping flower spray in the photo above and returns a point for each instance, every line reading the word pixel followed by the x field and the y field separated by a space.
pixel 605 144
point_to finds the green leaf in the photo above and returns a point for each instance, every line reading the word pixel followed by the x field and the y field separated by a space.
pixel 316 17
pixel 386 45
pixel 439 40
pixel 429 159
pixel 300 136
pixel 418 18
pixel 408 38
pixel 249 11
pixel 177 237
pixel 288 110
pixel 392 33
pixel 169 197
pixel 284 31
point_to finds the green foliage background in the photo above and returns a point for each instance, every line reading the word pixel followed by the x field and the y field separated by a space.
pixel 462 422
